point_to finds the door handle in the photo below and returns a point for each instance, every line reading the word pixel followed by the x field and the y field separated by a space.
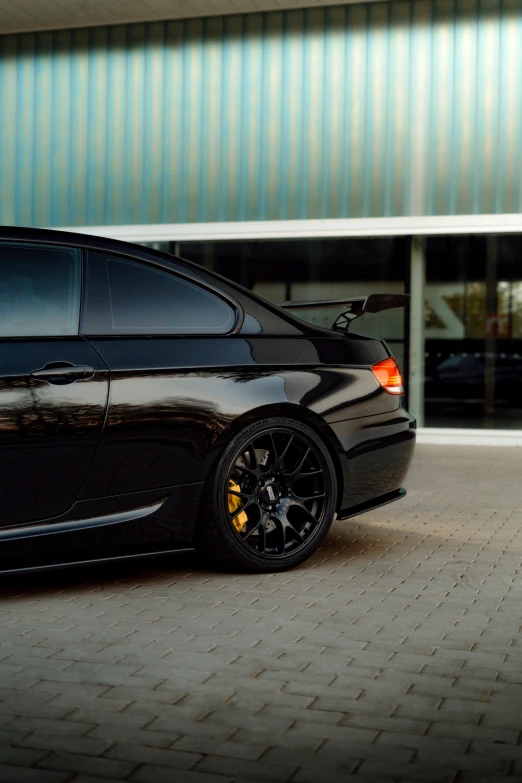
pixel 60 373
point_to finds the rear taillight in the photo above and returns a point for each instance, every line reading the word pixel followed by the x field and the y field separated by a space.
pixel 389 376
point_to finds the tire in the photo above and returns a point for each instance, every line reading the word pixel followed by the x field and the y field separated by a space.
pixel 270 500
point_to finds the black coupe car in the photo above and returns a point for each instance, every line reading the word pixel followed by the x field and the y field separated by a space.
pixel 150 406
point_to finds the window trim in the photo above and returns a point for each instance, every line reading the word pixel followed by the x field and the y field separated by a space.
pixel 239 315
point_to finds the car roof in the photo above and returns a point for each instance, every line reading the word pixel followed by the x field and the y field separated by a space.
pixel 64 238
pixel 95 242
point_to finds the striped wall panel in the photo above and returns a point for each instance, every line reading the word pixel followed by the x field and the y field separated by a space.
pixel 398 108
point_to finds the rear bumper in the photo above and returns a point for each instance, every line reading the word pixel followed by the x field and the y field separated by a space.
pixel 383 500
pixel 375 454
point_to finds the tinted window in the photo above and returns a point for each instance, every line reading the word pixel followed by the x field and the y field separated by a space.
pixel 39 290
pixel 142 299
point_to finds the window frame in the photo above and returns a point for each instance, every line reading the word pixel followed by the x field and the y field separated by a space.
pixel 52 245
pixel 90 293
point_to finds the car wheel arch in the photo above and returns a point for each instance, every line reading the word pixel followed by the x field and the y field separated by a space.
pixel 291 411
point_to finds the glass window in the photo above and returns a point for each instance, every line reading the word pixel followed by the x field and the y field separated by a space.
pixel 473 331
pixel 142 299
pixel 282 270
pixel 39 290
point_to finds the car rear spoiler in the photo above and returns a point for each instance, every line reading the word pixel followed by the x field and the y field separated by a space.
pixel 354 308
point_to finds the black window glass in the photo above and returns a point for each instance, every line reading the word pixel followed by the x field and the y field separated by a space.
pixel 39 290
pixel 143 299
pixel 473 332
pixel 307 269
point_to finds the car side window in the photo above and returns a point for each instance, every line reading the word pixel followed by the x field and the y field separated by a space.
pixel 131 297
pixel 39 290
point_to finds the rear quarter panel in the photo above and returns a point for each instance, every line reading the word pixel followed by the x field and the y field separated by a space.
pixel 172 400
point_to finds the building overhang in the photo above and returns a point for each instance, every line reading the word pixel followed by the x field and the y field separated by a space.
pixel 30 16
pixel 338 228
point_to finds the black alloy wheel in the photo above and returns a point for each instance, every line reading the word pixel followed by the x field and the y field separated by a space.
pixel 272 498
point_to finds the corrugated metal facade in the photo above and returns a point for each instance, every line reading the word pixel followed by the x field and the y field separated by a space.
pixel 396 108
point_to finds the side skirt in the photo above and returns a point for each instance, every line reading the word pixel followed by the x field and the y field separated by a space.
pixel 95 561
pixel 114 528
pixel 53 528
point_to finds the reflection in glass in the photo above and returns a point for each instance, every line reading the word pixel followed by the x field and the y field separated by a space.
pixel 143 299
pixel 39 290
pixel 473 331
pixel 281 270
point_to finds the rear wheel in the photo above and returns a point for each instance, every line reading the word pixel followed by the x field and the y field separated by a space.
pixel 271 499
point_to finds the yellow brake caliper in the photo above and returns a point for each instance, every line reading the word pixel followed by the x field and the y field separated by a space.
pixel 233 504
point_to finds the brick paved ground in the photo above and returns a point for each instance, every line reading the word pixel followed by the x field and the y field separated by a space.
pixel 393 655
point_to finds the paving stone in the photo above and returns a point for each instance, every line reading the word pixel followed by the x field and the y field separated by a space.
pixel 336 754
pixel 393 654
pixel 66 702
pixel 477 777
pixel 505 719
pixel 291 740
pixel 384 723
pixel 497 750
pixel 335 704
pixel 23 660
pixel 49 726
pixel 264 722
pixel 218 747
pixel 84 746
pixel 140 693
pixel 152 774
pixel 329 775
pixel 136 736
pixel 223 699
pixel 312 731
pixel 418 742
pixel 88 765
pixel 371 770
pixel 27 775
pixel 462 761
pixel 179 725
pixel 88 779
pixel 20 756
pixel 94 717
pixel 245 770
pixel 470 732
pixel 161 757
pixel 329 716
pixel 70 688
pixel 27 651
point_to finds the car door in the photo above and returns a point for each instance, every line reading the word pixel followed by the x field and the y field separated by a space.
pixel 53 384
pixel 164 339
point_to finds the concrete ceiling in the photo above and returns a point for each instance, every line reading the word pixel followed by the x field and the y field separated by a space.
pixel 29 15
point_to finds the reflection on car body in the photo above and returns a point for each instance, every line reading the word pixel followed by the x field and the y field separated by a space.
pixel 149 406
